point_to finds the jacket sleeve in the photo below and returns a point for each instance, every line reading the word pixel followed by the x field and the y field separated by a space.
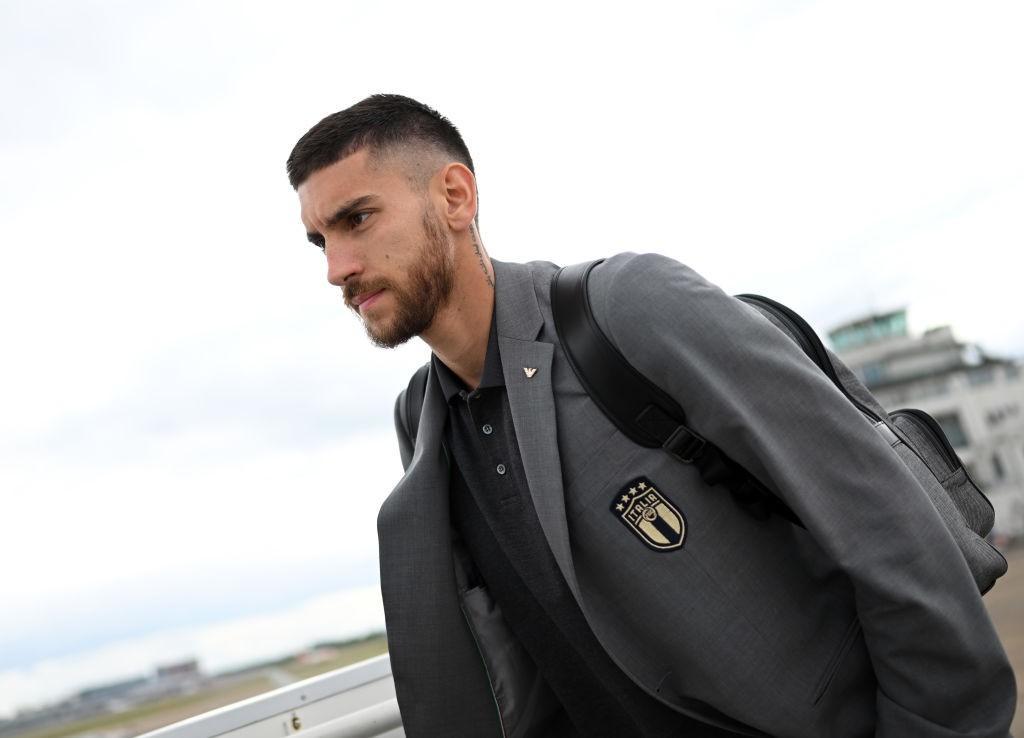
pixel 745 386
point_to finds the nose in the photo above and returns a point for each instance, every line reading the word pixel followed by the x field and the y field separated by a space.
pixel 342 262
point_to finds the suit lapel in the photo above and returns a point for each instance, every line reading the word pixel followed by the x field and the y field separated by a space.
pixel 426 628
pixel 527 365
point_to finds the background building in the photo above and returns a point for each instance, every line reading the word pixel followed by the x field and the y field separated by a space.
pixel 976 398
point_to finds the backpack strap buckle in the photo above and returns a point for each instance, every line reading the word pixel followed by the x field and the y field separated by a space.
pixel 685 445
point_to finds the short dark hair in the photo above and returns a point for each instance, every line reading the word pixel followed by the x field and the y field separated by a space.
pixel 377 122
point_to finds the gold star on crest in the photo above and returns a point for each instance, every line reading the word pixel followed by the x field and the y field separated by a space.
pixel 619 507
pixel 625 498
pixel 632 491
pixel 642 485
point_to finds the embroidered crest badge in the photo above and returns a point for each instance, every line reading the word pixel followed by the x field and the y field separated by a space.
pixel 650 515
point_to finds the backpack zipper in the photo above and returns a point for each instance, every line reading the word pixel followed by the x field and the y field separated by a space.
pixel 811 345
pixel 930 426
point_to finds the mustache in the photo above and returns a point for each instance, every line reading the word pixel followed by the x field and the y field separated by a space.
pixel 355 287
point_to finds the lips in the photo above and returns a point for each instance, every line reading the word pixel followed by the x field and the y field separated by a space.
pixel 363 301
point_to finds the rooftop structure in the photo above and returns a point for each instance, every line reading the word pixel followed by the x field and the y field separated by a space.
pixel 977 399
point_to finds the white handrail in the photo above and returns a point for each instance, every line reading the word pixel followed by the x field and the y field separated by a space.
pixel 357 701
pixel 366 723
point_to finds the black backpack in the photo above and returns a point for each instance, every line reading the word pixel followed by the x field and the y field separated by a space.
pixel 650 417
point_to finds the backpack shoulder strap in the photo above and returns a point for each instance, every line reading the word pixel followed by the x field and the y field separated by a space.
pixel 644 412
pixel 407 413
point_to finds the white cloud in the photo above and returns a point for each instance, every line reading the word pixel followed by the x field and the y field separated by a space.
pixel 82 528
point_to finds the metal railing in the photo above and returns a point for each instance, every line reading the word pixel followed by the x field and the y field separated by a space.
pixel 357 701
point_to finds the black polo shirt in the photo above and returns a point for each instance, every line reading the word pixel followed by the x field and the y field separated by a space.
pixel 494 513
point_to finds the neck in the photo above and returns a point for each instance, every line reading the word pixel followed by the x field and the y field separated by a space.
pixel 459 331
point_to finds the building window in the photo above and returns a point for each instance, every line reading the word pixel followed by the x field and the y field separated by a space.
pixel 873 374
pixel 997 467
pixel 930 388
pixel 984 375
pixel 953 429
pixel 999 415
pixel 869 330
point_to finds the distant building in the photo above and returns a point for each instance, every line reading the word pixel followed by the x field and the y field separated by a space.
pixel 86 704
pixel 977 399
pixel 318 654
pixel 182 677
pixel 107 692
pixel 182 669
pixel 169 680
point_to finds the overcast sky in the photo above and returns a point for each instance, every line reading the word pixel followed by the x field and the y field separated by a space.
pixel 193 428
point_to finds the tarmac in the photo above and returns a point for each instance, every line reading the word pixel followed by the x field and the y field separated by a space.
pixel 1005 604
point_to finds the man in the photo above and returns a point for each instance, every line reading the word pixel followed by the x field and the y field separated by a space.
pixel 517 601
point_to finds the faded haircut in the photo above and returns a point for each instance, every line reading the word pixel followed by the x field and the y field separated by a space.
pixel 380 123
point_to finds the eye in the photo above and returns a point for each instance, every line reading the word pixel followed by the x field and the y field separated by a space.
pixel 357 219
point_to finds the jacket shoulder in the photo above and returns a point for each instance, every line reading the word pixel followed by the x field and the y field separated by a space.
pixel 407 413
pixel 629 287
pixel 629 272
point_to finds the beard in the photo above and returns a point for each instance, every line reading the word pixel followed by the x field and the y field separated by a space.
pixel 426 289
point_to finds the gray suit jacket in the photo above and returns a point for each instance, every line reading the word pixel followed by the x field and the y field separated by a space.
pixel 866 623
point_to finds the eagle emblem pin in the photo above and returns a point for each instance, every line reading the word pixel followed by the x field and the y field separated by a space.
pixel 650 515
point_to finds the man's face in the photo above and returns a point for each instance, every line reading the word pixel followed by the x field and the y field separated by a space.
pixel 385 245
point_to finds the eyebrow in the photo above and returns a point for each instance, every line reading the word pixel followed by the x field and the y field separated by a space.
pixel 349 208
pixel 341 214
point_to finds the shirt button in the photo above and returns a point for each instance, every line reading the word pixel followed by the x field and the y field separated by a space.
pixel 500 469
pixel 487 429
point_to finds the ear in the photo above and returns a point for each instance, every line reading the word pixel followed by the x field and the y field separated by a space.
pixel 459 186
